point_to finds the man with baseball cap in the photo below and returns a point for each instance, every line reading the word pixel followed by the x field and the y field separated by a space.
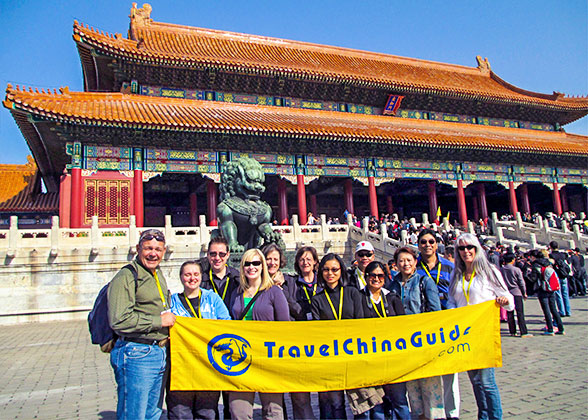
pixel 364 254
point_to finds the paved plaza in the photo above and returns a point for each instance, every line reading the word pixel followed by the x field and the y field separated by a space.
pixel 52 371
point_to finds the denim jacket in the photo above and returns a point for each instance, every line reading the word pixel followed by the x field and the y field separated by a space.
pixel 410 293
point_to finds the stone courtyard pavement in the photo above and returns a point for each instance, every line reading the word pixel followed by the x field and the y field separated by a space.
pixel 52 371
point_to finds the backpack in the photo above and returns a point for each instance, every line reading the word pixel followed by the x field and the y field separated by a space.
pixel 549 281
pixel 100 330
pixel 562 267
pixel 425 306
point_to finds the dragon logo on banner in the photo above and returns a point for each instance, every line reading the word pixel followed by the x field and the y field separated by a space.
pixel 228 354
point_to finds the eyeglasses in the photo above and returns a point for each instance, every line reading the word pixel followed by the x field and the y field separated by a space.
pixel 429 241
pixel 377 276
pixel 213 254
pixel 364 254
pixel 253 263
pixel 464 247
pixel 332 270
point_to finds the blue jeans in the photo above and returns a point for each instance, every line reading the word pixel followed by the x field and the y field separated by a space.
pixel 138 370
pixel 395 401
pixel 562 298
pixel 375 413
pixel 486 393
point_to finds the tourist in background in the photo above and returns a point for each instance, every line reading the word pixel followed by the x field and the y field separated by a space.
pixel 476 280
pixel 419 294
pixel 546 298
pixel 334 302
pixel 513 278
pixel 257 299
pixel 431 264
pixel 563 269
pixel 195 302
pixel 379 302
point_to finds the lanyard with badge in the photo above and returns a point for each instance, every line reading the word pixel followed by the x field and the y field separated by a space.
pixel 463 280
pixel 214 286
pixel 160 291
pixel 429 274
pixel 384 315
pixel 196 315
pixel 340 305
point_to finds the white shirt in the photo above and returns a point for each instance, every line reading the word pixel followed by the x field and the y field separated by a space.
pixel 480 290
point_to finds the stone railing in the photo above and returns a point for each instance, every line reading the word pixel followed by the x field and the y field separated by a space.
pixel 537 234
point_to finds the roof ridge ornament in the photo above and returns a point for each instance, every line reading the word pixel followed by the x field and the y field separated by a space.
pixel 142 16
pixel 483 65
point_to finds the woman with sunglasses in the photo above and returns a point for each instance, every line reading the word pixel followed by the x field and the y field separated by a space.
pixel 476 280
pixel 379 302
pixel 195 302
pixel 419 294
pixel 334 302
pixel 257 299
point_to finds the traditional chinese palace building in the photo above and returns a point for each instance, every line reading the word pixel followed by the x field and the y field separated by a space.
pixel 334 129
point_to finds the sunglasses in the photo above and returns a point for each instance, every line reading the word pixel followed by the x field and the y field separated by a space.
pixel 364 254
pixel 213 254
pixel 253 263
pixel 377 276
pixel 148 237
pixel 464 247
pixel 332 270
pixel 429 241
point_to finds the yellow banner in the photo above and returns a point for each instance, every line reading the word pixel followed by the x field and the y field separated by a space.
pixel 332 355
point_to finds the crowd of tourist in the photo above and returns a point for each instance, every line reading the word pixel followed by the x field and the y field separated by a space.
pixel 439 273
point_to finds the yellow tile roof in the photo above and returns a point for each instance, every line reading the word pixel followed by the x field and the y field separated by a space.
pixel 117 109
pixel 167 44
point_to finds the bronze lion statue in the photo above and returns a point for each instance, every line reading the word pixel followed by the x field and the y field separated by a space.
pixel 244 219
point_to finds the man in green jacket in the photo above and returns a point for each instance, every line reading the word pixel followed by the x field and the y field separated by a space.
pixel 138 312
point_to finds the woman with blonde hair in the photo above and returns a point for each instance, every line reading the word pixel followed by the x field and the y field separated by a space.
pixel 257 299
pixel 476 280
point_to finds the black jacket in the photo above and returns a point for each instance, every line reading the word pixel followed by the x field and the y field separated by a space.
pixel 392 305
pixel 352 303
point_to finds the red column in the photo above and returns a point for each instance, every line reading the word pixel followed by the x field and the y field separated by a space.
pixel 211 201
pixel 301 199
pixel 282 202
pixel 482 197
pixel 313 206
pixel 138 197
pixel 77 198
pixel 512 195
pixel 476 208
pixel 348 188
pixel 564 199
pixel 461 204
pixel 193 209
pixel 389 204
pixel 556 200
pixel 525 198
pixel 65 201
pixel 432 185
pixel 373 196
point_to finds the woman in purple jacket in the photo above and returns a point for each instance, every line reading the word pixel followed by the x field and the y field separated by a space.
pixel 257 299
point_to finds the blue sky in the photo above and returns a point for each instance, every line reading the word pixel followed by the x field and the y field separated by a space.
pixel 537 45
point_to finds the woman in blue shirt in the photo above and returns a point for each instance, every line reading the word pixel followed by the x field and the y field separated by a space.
pixel 197 303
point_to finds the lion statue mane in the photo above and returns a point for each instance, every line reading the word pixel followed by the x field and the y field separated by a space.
pixel 244 219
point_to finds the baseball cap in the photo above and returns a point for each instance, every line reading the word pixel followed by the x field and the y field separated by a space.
pixel 364 246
